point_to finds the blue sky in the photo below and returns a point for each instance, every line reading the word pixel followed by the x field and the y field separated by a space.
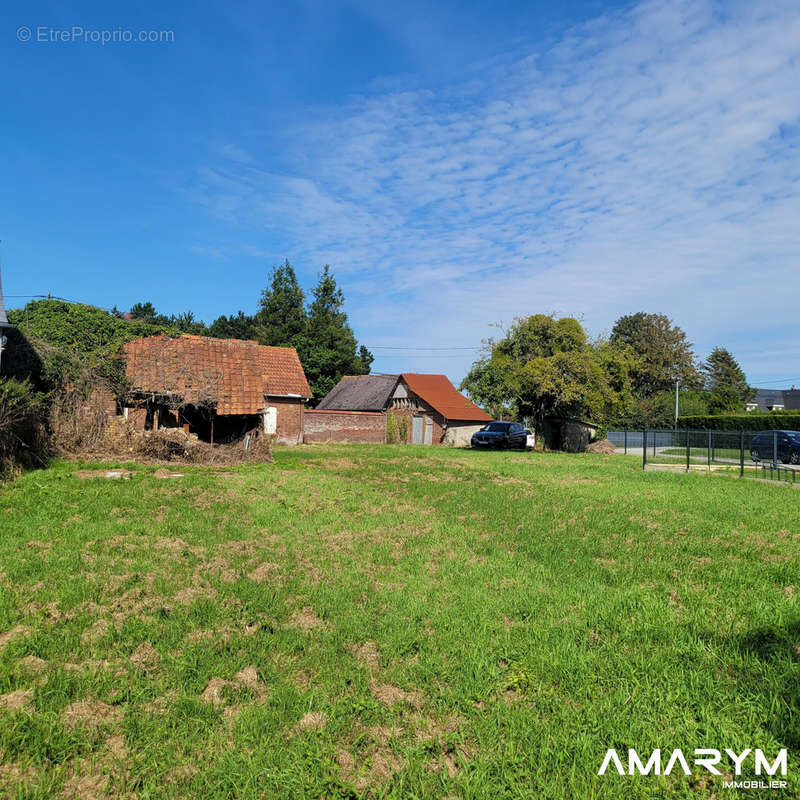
pixel 457 165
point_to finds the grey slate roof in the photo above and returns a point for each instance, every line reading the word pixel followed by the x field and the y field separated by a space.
pixel 360 393
pixel 766 399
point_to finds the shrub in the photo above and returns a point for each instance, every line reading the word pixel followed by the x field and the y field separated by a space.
pixel 752 421
pixel 402 430
pixel 77 417
pixel 22 435
pixel 392 434
pixel 70 337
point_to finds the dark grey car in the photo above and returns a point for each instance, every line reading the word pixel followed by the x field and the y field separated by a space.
pixel 505 435
pixel 763 444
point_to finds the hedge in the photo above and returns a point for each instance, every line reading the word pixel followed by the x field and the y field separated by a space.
pixel 753 421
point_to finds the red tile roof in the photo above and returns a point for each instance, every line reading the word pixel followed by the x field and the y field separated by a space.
pixel 440 394
pixel 235 373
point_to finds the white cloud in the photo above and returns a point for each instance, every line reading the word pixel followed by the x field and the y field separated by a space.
pixel 648 160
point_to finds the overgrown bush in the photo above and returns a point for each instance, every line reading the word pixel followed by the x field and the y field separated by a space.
pixel 402 430
pixel 391 429
pixel 77 417
pixel 23 442
pixel 66 337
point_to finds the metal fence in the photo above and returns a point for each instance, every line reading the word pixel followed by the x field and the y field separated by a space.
pixel 759 454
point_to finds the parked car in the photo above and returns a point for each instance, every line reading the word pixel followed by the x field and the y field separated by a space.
pixel 506 435
pixel 762 444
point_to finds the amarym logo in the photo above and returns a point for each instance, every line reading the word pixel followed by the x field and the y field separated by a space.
pixel 703 757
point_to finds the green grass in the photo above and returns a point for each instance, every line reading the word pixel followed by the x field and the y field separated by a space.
pixel 420 622
pixel 702 453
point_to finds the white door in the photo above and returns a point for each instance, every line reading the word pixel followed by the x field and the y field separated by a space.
pixel 271 420
pixel 428 431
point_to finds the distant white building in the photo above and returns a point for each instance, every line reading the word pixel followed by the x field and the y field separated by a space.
pixel 775 400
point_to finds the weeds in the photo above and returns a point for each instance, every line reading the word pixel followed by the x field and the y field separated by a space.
pixel 391 622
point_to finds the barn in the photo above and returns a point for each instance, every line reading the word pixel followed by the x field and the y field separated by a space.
pixel 216 388
pixel 409 407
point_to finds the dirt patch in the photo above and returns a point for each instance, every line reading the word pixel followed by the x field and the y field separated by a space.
pixel 85 787
pixel 32 664
pixel 346 762
pixel 303 679
pixel 306 620
pixel 181 774
pixel 429 728
pixel 188 595
pixel 337 463
pixel 220 569
pixel 451 761
pixel 116 746
pixel 145 656
pixel 367 655
pixel 6 637
pixel 98 631
pixel 313 721
pixel 219 635
pixel 14 701
pixel 162 473
pixel 11 774
pixel 91 714
pixel 178 546
pixel 263 572
pixel 384 733
pixel 212 694
pixel 384 764
pixel 247 677
pixel 393 695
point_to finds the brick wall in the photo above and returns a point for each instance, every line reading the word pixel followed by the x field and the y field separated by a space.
pixel 290 419
pixel 426 413
pixel 344 426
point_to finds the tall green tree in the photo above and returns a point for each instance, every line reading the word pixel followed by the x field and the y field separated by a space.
pixel 328 348
pixel 187 323
pixel 146 312
pixel 281 319
pixel 545 366
pixel 182 323
pixel 236 326
pixel 725 382
pixel 662 352
pixel 366 358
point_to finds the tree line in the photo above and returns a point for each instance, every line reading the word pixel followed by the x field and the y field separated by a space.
pixel 545 366
pixel 317 329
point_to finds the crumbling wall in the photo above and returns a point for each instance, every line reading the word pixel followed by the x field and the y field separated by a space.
pixel 322 425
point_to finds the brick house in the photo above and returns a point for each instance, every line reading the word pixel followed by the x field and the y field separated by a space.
pixel 426 408
pixel 217 388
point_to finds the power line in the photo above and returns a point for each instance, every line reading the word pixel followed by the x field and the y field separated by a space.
pixel 391 347
pixel 782 380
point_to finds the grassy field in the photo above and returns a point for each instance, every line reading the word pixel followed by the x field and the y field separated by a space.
pixel 394 622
